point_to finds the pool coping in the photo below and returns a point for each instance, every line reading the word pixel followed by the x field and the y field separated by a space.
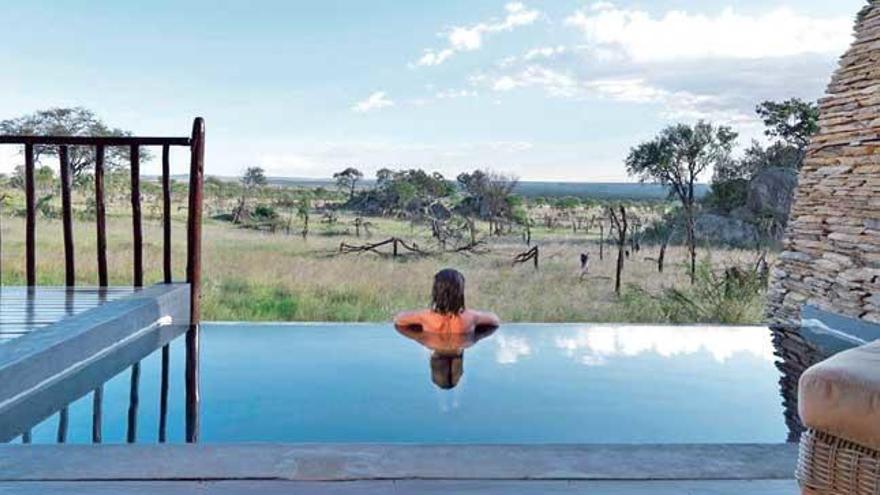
pixel 354 462
pixel 503 323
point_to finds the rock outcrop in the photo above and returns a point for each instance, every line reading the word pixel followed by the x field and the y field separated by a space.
pixel 771 191
pixel 724 230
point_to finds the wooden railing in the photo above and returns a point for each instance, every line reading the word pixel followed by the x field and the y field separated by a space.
pixel 196 144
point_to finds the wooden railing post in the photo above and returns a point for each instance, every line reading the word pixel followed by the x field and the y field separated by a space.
pixel 193 275
pixel 69 265
pixel 100 216
pixel 167 272
pixel 136 228
pixel 30 215
pixel 67 218
pixel 101 242
pixel 166 214
pixel 138 281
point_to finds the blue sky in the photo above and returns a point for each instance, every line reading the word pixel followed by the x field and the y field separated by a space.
pixel 541 89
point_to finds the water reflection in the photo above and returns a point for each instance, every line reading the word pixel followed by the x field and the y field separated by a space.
pixel 655 384
pixel 510 348
pixel 447 356
pixel 595 345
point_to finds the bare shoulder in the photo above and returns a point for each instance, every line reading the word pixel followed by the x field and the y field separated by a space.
pixel 409 318
pixel 483 318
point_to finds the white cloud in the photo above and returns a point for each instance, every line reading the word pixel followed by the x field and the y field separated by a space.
pixel 553 82
pixel 448 94
pixel 676 35
pixel 593 346
pixel 375 101
pixel 544 52
pixel 540 53
pixel 676 105
pixel 470 38
pixel 432 57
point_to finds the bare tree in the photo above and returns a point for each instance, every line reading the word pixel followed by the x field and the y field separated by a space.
pixel 252 179
pixel 619 226
pixel 304 205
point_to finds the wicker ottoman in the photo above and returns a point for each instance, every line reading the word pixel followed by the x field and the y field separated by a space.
pixel 839 403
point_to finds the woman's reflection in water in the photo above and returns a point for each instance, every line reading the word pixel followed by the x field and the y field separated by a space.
pixel 447 356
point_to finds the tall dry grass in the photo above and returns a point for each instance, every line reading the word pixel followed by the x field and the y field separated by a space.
pixel 251 275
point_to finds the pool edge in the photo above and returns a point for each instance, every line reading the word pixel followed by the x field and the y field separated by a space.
pixel 351 462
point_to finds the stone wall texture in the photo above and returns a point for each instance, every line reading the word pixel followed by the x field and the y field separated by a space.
pixel 831 255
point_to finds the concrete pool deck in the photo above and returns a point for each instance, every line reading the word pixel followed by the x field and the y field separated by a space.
pixel 370 468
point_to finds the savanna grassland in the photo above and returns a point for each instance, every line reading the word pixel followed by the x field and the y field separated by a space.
pixel 258 275
pixel 273 248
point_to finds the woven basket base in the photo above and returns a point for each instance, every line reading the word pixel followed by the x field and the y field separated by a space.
pixel 834 466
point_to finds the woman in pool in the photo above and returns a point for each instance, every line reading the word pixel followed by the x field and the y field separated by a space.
pixel 447 313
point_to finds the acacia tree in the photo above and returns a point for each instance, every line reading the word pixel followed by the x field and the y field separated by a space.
pixel 347 180
pixel 74 121
pixel 677 158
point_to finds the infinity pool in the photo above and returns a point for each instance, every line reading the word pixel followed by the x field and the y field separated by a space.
pixel 524 383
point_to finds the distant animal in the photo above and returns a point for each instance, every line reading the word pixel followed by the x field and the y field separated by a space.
pixel 585 264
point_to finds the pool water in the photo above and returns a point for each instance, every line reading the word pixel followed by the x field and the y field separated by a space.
pixel 524 383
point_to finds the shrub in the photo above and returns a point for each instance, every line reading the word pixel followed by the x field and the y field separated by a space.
pixel 734 296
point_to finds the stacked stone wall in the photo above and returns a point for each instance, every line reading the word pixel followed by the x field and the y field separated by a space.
pixel 831 256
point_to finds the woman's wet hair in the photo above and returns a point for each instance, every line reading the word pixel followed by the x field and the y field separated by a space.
pixel 447 368
pixel 447 296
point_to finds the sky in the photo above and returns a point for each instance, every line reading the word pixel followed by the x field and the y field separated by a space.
pixel 544 90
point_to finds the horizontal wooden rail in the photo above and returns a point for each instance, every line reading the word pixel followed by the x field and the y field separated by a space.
pixel 96 140
pixel 42 374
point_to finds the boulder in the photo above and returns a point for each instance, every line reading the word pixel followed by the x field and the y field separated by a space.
pixel 771 191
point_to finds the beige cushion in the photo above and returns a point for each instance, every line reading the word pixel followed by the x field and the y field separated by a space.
pixel 841 395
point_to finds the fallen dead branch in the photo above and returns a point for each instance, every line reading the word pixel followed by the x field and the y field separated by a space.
pixel 530 255
pixel 396 245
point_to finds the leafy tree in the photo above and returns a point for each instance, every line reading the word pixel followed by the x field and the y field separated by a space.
pixel 406 192
pixel 793 121
pixel 488 196
pixel 347 180
pixel 677 157
pixel 384 176
pixel 74 121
